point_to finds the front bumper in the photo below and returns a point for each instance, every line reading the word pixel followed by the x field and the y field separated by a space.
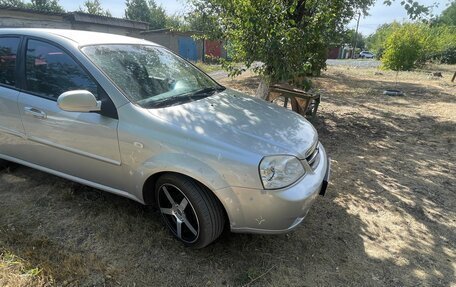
pixel 275 211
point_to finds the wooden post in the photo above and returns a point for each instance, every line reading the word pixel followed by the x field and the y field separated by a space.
pixel 454 77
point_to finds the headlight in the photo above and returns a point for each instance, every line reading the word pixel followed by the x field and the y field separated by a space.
pixel 280 171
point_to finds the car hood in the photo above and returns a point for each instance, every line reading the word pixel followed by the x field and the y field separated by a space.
pixel 243 122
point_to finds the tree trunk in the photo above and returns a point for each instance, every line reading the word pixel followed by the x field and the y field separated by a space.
pixel 263 89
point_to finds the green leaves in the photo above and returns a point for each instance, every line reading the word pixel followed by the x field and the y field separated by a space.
pixel 404 48
pixel 290 37
pixel 12 3
pixel 40 5
pixel 46 5
pixel 146 11
pixel 94 7
pixel 414 9
pixel 448 16
pixel 410 45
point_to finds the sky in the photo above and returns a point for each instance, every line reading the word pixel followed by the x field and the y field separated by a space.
pixel 379 13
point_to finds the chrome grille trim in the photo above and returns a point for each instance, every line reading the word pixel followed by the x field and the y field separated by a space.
pixel 312 149
pixel 312 158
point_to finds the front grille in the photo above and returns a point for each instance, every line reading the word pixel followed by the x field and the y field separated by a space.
pixel 312 157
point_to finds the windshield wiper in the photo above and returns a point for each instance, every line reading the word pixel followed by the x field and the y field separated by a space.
pixel 186 97
pixel 207 92
pixel 168 101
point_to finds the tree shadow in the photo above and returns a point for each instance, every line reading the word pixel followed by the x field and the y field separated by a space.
pixel 403 171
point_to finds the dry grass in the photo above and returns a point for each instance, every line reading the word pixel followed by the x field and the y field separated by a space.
pixel 389 218
pixel 14 272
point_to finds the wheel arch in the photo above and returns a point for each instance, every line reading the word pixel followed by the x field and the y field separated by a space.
pixel 148 190
pixel 189 166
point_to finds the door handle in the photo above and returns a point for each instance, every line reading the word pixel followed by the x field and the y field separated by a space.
pixel 34 112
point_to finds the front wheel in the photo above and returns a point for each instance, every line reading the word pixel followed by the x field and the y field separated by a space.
pixel 189 210
pixel 3 163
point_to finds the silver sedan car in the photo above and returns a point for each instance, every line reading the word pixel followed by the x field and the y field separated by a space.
pixel 129 117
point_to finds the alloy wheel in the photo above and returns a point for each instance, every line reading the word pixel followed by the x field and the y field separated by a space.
pixel 178 213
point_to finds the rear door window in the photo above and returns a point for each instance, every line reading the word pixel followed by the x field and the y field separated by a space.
pixel 8 55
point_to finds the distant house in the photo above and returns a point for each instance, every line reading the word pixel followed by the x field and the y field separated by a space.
pixel 186 45
pixel 181 43
pixel 340 52
pixel 334 53
pixel 28 18
pixel 214 49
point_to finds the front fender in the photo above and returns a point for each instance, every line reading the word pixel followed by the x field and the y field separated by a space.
pixel 193 168
pixel 183 164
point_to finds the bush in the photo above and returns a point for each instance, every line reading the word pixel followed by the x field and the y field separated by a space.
pixel 443 44
pixel 447 56
pixel 376 42
pixel 405 48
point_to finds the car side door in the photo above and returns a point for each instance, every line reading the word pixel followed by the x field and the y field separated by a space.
pixel 83 145
pixel 12 135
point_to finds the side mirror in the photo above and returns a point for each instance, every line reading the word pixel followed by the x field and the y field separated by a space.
pixel 78 101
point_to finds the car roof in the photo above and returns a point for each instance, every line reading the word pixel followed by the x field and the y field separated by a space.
pixel 82 38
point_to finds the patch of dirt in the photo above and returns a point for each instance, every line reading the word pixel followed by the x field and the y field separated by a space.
pixel 388 219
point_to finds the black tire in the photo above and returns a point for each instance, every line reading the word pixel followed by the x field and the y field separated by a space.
pixel 3 163
pixel 201 213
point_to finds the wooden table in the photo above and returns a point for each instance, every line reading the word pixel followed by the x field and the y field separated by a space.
pixel 302 102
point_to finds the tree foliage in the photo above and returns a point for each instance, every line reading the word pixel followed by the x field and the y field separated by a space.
pixel 146 11
pixel 289 37
pixel 12 3
pixel 376 41
pixel 176 22
pixel 412 44
pixel 442 44
pixel 448 16
pixel 404 48
pixel 409 45
pixel 94 7
pixel 46 6
pixel 204 20
pixel 348 37
pixel 40 5
pixel 137 10
pixel 414 9
pixel 157 16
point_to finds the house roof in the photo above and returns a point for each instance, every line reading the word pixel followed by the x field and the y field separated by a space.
pixel 78 16
pixel 172 31
pixel 113 21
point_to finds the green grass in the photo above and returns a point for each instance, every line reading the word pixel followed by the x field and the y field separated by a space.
pixel 208 68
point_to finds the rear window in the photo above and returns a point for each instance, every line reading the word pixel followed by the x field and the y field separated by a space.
pixel 8 54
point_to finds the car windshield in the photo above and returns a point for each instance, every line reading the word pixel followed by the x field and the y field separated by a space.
pixel 151 76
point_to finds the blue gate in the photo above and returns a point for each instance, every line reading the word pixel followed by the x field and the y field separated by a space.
pixel 187 48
